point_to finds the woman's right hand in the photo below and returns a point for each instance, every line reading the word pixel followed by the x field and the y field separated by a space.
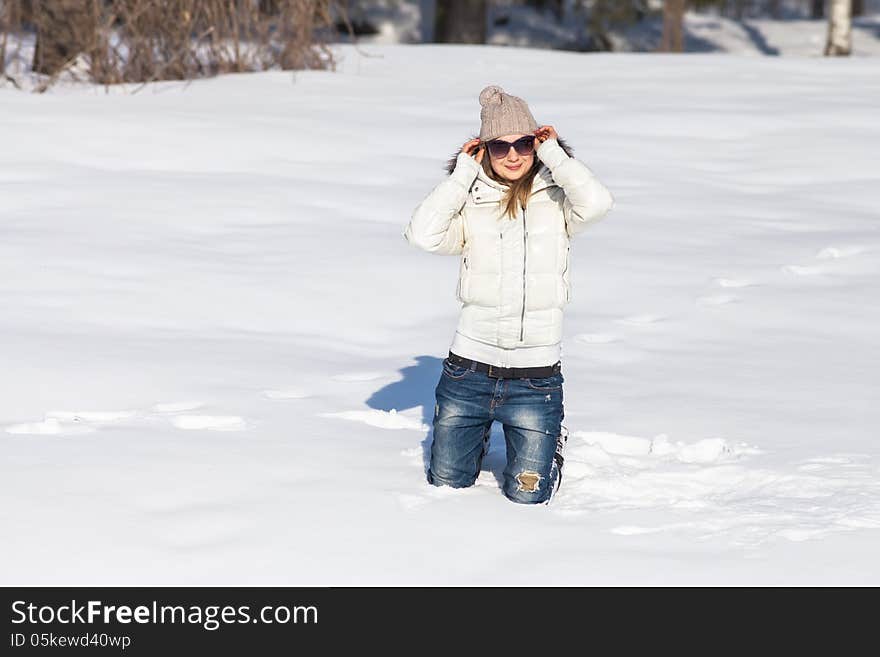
pixel 469 147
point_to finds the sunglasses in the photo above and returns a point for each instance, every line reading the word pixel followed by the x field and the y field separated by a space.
pixel 499 148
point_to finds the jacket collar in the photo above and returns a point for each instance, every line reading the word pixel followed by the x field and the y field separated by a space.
pixel 542 180
pixel 487 189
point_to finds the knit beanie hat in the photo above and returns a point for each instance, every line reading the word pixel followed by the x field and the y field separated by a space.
pixel 503 114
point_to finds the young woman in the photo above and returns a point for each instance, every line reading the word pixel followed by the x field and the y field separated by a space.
pixel 509 209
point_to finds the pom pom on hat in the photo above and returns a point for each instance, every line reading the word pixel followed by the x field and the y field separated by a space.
pixel 491 95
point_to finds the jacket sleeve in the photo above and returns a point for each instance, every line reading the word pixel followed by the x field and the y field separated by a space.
pixel 436 224
pixel 587 200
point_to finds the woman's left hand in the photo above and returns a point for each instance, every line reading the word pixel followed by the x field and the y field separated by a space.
pixel 546 132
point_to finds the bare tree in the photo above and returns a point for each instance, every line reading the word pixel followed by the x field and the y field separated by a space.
pixel 673 26
pixel 460 21
pixel 817 9
pixel 607 15
pixel 9 19
pixel 858 7
pixel 64 30
pixel 113 41
pixel 839 41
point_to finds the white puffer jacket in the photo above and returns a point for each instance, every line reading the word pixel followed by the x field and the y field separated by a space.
pixel 514 275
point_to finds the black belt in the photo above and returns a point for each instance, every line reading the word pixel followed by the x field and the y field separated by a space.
pixel 507 372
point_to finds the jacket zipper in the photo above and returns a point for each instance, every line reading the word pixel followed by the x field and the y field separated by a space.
pixel 522 319
pixel 564 271
pixel 461 279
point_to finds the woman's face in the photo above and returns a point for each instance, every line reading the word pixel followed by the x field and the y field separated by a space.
pixel 513 165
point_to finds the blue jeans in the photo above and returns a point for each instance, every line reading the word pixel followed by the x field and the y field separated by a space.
pixel 531 412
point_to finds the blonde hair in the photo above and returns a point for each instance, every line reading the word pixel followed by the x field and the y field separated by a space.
pixel 519 191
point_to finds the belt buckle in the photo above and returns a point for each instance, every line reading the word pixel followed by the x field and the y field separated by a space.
pixel 499 372
pixel 494 370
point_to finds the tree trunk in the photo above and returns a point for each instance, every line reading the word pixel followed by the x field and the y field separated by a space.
pixel 461 21
pixel 839 28
pixel 673 26
pixel 818 9
pixel 858 7
pixel 64 30
pixel 268 7
pixel 775 7
pixel 600 16
pixel 296 22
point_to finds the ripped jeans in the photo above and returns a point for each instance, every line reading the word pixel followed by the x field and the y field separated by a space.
pixel 531 413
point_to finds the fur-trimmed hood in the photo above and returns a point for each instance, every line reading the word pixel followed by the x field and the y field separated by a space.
pixel 450 163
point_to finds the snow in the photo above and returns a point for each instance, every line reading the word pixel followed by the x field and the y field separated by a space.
pixel 219 354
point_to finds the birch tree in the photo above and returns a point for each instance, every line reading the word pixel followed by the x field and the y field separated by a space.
pixel 839 41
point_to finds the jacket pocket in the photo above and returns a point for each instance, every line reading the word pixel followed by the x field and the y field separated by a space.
pixel 463 281
pixel 546 383
pixel 454 371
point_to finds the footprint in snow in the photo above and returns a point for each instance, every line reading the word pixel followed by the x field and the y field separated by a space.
pixel 828 254
pixel 714 489
pixel 177 407
pixel 49 426
pixel 177 414
pixel 717 300
pixel 97 417
pixel 734 282
pixel 804 270
pixel 286 393
pixel 70 422
pixel 640 320
pixel 834 253
pixel 856 461
pixel 210 422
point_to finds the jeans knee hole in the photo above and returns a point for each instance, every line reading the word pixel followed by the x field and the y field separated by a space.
pixel 528 481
